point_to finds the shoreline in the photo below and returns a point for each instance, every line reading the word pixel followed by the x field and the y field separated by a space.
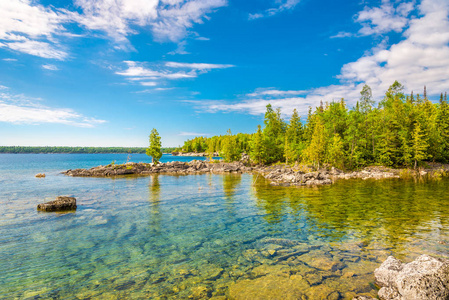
pixel 278 175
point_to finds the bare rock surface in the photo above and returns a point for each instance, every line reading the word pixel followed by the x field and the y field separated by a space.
pixel 425 278
pixel 60 204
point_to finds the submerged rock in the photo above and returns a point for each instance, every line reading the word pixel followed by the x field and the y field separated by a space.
pixel 60 204
pixel 425 278
pixel 40 175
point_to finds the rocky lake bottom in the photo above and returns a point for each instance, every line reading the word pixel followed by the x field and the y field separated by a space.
pixel 223 236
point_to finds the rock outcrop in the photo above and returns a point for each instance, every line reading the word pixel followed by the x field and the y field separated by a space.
pixel 425 278
pixel 170 168
pixel 61 203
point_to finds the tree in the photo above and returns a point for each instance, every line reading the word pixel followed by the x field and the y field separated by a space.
pixel 335 152
pixel 366 99
pixel 230 152
pixel 293 136
pixel 419 146
pixel 315 152
pixel 257 152
pixel 154 150
pixel 273 134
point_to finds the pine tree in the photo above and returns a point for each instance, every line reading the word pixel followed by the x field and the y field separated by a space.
pixel 293 136
pixel 257 152
pixel 336 152
pixel 230 151
pixel 154 150
pixel 316 151
pixel 419 145
pixel 366 99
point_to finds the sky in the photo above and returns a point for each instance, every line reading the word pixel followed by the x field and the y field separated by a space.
pixel 106 72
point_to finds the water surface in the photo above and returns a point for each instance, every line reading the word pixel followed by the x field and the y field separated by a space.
pixel 203 236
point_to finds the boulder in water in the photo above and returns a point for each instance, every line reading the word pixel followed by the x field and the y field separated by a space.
pixel 60 204
pixel 424 278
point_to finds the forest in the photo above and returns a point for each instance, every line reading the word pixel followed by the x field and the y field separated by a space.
pixel 401 131
pixel 79 150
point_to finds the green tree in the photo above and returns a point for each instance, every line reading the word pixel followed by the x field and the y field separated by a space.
pixel 419 146
pixel 336 152
pixel 257 152
pixel 366 99
pixel 230 151
pixel 316 151
pixel 154 150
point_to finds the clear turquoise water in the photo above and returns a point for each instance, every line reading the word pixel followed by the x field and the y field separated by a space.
pixel 203 236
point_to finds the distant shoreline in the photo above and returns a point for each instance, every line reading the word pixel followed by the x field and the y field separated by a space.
pixel 76 150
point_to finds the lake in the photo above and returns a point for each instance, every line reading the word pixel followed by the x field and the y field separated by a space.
pixel 205 236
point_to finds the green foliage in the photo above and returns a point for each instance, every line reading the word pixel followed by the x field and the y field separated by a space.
pixel 257 153
pixel 154 150
pixel 230 150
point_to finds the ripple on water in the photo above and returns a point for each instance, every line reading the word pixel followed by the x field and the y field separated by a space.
pixel 164 237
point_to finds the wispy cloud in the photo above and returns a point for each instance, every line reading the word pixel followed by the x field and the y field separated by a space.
pixel 50 67
pixel 20 109
pixel 184 133
pixel 9 59
pixel 152 74
pixel 269 92
pixel 281 5
pixel 197 66
pixel 28 27
pixel 421 58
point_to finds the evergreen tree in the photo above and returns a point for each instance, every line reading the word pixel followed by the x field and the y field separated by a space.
pixel 257 152
pixel 366 99
pixel 293 137
pixel 154 150
pixel 316 151
pixel 230 152
pixel 336 152
pixel 273 134
pixel 419 145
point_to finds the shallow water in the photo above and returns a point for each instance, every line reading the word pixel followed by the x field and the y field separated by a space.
pixel 203 236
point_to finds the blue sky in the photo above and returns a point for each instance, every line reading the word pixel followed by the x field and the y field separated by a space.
pixel 104 73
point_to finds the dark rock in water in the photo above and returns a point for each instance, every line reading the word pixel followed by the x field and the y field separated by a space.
pixel 40 175
pixel 425 278
pixel 60 204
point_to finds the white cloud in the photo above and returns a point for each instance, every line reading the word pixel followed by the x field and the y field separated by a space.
pixel 342 34
pixel 197 66
pixel 148 76
pixel 148 83
pixel 421 58
pixel 9 59
pixel 183 133
pixel 31 28
pixel 168 20
pixel 19 109
pixel 386 18
pixel 50 67
pixel 269 92
pixel 281 5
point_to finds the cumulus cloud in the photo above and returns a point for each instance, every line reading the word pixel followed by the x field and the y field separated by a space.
pixel 420 58
pixel 28 27
pixel 281 5
pixel 19 109
pixel 388 17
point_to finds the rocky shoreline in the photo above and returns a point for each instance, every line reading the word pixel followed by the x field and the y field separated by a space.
pixel 278 175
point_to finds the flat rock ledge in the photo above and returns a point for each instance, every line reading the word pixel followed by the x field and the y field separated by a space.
pixel 426 278
pixel 170 168
pixel 293 176
pixel 62 203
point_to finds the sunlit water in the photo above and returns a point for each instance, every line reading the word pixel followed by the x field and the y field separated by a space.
pixel 203 236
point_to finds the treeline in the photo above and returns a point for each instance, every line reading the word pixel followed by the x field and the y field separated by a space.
pixel 403 130
pixel 79 150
